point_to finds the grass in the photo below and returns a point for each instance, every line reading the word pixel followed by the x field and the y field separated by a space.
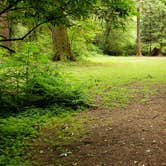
pixel 107 82
pixel 54 137
pixel 122 70
pixel 17 131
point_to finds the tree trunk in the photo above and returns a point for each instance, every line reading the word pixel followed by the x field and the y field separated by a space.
pixel 156 52
pixel 5 29
pixel 106 38
pixel 139 49
pixel 61 45
pixel 150 28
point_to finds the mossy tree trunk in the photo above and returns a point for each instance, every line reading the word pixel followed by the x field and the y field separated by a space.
pixel 5 29
pixel 61 44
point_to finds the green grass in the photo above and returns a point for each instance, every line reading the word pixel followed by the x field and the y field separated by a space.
pixel 122 70
pixel 17 131
pixel 107 82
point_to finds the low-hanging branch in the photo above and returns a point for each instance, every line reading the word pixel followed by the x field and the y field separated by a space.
pixel 7 48
pixel 33 29
pixel 27 34
pixel 3 37
pixel 18 39
pixel 11 5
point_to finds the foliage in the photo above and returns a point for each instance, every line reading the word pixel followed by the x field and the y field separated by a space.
pixel 61 12
pixel 115 14
pixel 82 36
pixel 38 13
pixel 153 24
pixel 17 131
pixel 119 42
pixel 66 13
pixel 114 11
pixel 33 89
pixel 26 81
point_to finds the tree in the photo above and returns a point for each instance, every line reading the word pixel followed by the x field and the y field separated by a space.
pixel 5 29
pixel 154 25
pixel 54 12
pixel 115 14
pixel 61 45
pixel 60 15
pixel 139 47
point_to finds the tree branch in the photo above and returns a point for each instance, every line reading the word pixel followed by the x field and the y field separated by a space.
pixel 22 38
pixel 34 28
pixel 7 48
pixel 3 37
pixel 9 7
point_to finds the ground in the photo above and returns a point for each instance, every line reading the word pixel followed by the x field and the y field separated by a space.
pixel 124 129
pixel 136 136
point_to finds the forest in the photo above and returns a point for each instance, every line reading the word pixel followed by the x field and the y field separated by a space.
pixel 82 83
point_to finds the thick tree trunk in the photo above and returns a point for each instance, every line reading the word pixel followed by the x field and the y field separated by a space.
pixel 61 45
pixel 139 49
pixel 5 29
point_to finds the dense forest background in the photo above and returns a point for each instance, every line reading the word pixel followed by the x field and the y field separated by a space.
pixel 41 40
pixel 65 32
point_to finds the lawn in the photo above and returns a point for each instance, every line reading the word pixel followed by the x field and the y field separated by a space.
pixel 107 79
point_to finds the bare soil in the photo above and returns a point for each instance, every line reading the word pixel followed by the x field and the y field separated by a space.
pixel 134 136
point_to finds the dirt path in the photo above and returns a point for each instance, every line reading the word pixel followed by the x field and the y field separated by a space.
pixel 135 136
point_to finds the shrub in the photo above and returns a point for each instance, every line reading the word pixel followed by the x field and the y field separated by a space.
pixel 45 90
pixel 26 81
pixel 17 131
pixel 82 36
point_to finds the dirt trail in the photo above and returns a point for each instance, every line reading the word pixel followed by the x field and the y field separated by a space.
pixel 136 137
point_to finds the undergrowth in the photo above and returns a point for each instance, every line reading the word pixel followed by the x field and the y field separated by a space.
pixel 32 90
pixel 28 81
pixel 17 131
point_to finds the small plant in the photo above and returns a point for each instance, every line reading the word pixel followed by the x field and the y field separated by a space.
pixel 26 81
pixel 17 131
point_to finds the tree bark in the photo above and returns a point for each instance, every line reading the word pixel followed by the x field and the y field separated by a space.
pixel 61 45
pixel 139 47
pixel 5 29
pixel 106 37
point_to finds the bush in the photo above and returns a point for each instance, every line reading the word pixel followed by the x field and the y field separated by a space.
pixel 164 50
pixel 82 36
pixel 45 90
pixel 119 42
pixel 29 81
pixel 17 131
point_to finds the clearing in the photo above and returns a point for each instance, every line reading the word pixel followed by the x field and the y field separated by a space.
pixel 127 126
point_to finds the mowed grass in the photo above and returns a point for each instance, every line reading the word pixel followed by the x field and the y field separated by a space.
pixel 107 82
pixel 121 70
